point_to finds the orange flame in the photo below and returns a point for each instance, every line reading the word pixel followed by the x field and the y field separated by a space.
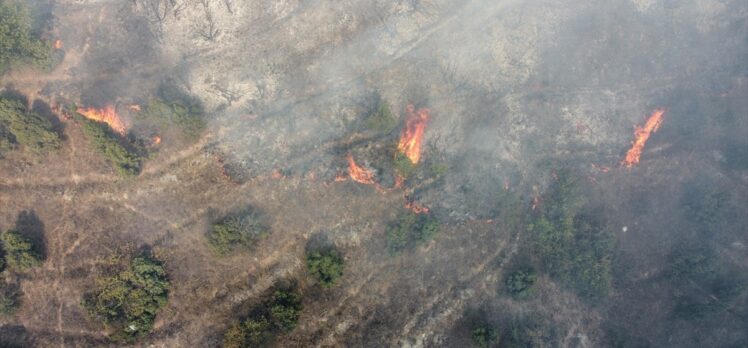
pixel 415 206
pixel 156 140
pixel 412 135
pixel 359 174
pixel 107 115
pixel 58 44
pixel 641 135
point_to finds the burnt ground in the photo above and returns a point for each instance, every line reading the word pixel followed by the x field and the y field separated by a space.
pixel 516 88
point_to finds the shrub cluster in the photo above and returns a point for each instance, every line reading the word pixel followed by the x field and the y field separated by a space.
pixel 326 266
pixel 106 142
pixel 127 299
pixel 19 126
pixel 20 252
pixel 410 230
pixel 279 314
pixel 18 44
pixel 236 232
pixel 574 245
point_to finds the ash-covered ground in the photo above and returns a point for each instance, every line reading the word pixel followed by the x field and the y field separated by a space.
pixel 517 92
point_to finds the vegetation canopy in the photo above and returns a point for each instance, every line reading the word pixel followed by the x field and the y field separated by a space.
pixel 236 232
pixel 278 314
pixel 19 126
pixel 326 266
pixel 128 299
pixel 20 252
pixel 18 44
pixel 410 230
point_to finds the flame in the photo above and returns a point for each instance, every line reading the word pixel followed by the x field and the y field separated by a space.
pixel 156 140
pixel 134 107
pixel 412 135
pixel 415 206
pixel 58 44
pixel 107 115
pixel 359 174
pixel 642 134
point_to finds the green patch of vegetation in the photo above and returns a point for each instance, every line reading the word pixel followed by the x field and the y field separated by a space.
pixel 410 230
pixel 186 115
pixel 520 283
pixel 402 164
pixel 574 246
pixel 326 266
pixel 438 169
pixel 128 298
pixel 19 126
pixel 277 315
pixel 108 143
pixel 18 44
pixel 381 119
pixel 9 298
pixel 485 336
pixel 20 252
pixel 235 232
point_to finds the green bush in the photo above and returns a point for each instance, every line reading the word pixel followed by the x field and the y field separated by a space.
pixel 235 232
pixel 279 314
pixel 402 164
pixel 705 207
pixel 485 336
pixel 381 119
pixel 574 246
pixel 129 299
pixel 410 230
pixel 18 46
pixel 326 266
pixel 20 252
pixel 185 115
pixel 520 283
pixel 106 142
pixel 20 126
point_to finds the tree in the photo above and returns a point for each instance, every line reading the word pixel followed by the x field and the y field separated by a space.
pixel 410 230
pixel 9 298
pixel 103 139
pixel 485 336
pixel 18 46
pixel 128 300
pixel 278 314
pixel 326 266
pixel 235 232
pixel 20 253
pixel 520 283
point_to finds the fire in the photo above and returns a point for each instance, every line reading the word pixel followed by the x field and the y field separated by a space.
pixel 412 135
pixel 134 107
pixel 107 115
pixel 156 140
pixel 359 174
pixel 58 44
pixel 415 206
pixel 642 134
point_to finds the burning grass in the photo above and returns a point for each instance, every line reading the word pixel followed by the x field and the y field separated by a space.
pixel 108 115
pixel 411 138
pixel 641 135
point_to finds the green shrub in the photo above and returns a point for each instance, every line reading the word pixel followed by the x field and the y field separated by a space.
pixel 402 164
pixel 107 143
pixel 20 252
pixel 235 232
pixel 129 299
pixel 485 336
pixel 185 115
pixel 279 314
pixel 520 283
pixel 381 119
pixel 326 266
pixel 18 46
pixel 410 230
pixel 29 129
pixel 705 207
pixel 574 246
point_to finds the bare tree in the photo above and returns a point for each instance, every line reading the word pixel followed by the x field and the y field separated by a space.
pixel 207 29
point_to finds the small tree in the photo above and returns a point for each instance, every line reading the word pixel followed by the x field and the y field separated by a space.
pixel 17 44
pixel 485 336
pixel 520 283
pixel 326 266
pixel 29 129
pixel 410 230
pixel 20 253
pixel 9 298
pixel 234 232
